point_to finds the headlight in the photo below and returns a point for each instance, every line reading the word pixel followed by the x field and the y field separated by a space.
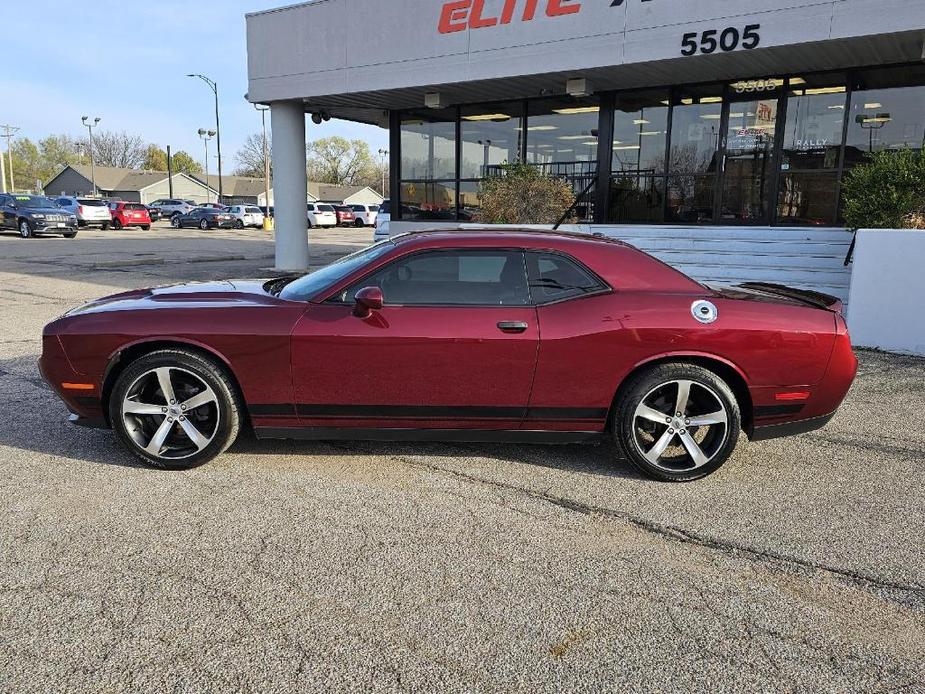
pixel 38 216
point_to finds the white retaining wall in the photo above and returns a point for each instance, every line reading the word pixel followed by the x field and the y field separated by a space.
pixel 888 291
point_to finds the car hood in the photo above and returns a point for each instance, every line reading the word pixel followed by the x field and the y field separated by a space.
pixel 226 293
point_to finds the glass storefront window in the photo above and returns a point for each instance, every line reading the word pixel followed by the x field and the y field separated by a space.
pixel 748 173
pixel 469 204
pixel 887 111
pixel 635 198
pixel 690 199
pixel 428 145
pixel 640 131
pixel 428 200
pixel 491 135
pixel 562 135
pixel 807 199
pixel 815 123
pixel 695 131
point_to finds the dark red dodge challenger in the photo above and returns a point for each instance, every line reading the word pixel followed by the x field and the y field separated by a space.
pixel 459 336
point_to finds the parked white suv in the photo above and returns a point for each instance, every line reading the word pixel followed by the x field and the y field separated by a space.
pixel 321 215
pixel 90 212
pixel 383 218
pixel 172 206
pixel 365 214
pixel 246 216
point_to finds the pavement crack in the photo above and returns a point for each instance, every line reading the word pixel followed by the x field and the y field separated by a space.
pixel 676 534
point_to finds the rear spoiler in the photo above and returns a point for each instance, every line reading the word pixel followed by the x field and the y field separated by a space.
pixel 807 296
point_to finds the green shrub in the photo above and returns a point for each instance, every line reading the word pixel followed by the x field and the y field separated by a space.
pixel 886 192
pixel 524 195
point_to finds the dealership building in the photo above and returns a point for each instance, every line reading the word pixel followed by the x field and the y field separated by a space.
pixel 683 122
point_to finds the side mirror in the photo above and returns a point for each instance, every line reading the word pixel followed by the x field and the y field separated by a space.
pixel 368 299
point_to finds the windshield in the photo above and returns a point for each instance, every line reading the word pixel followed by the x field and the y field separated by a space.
pixel 34 201
pixel 309 286
pixel 325 208
pixel 91 203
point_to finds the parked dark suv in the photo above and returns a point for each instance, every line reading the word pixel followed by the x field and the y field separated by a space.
pixel 35 214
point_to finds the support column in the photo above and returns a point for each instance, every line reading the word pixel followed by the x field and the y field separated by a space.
pixel 290 185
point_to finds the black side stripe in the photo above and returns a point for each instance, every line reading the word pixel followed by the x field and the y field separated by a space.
pixel 426 412
pixel 776 410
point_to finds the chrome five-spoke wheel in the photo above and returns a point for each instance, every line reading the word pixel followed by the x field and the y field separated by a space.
pixel 175 408
pixel 171 413
pixel 677 421
pixel 680 425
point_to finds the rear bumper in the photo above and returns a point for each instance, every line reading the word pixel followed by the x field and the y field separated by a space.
pixel 776 431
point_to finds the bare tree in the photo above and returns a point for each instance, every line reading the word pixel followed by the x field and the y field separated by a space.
pixel 119 149
pixel 249 159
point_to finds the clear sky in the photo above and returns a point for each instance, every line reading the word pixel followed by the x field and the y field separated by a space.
pixel 127 61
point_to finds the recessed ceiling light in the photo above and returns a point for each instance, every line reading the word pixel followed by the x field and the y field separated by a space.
pixel 488 116
pixel 576 109
pixel 873 104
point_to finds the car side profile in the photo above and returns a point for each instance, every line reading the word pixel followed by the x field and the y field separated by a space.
pixel 458 336
pixel 204 218
pixel 171 207
pixel 129 214
pixel 246 216
pixel 34 215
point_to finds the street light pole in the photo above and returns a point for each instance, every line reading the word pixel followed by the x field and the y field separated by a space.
pixel 266 162
pixel 8 132
pixel 96 121
pixel 213 85
pixel 383 153
pixel 207 135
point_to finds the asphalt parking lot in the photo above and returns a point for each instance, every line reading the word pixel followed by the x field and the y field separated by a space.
pixel 375 567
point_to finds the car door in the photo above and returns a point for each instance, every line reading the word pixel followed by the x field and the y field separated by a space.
pixel 7 214
pixel 453 347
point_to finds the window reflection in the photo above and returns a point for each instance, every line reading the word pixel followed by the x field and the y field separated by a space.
pixel 423 200
pixel 815 122
pixel 640 131
pixel 428 145
pixel 562 135
pixel 491 135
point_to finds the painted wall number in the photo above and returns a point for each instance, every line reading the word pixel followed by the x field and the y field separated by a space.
pixel 724 40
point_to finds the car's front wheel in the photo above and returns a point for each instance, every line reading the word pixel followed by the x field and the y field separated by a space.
pixel 25 229
pixel 203 225
pixel 677 422
pixel 117 224
pixel 175 410
pixel 239 224
pixel 175 221
pixel 104 227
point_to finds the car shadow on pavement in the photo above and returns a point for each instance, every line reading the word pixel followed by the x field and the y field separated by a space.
pixel 46 431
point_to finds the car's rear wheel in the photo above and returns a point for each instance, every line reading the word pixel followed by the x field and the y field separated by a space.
pixel 359 223
pixel 238 224
pixel 25 229
pixel 104 227
pixel 175 410
pixel 116 224
pixel 677 422
pixel 70 235
pixel 146 227
pixel 175 221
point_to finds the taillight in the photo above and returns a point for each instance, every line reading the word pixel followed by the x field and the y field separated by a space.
pixel 80 209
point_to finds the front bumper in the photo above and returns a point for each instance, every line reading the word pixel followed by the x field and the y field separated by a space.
pixel 85 406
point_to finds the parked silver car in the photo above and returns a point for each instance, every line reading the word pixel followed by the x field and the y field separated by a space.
pixel 171 207
pixel 90 212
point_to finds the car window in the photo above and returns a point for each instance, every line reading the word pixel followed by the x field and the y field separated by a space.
pixel 451 278
pixel 252 210
pixel 554 277
pixel 385 207
pixel 310 286
pixel 357 208
pixel 90 202
pixel 135 206
pixel 374 208
pixel 325 208
pixel 311 208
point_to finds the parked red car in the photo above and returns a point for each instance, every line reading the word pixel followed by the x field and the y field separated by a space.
pixel 129 214
pixel 345 215
pixel 459 336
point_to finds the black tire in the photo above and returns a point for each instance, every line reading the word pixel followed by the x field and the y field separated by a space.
pixel 146 227
pixel 228 407
pixel 25 229
pixel 633 433
pixel 204 225
pixel 104 227
pixel 70 235
pixel 175 222
pixel 359 223
pixel 81 223
pixel 309 224
pixel 116 224
pixel 238 224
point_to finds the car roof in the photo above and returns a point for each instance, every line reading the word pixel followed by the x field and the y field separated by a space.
pixel 518 236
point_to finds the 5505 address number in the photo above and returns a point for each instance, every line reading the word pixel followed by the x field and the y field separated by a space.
pixel 724 40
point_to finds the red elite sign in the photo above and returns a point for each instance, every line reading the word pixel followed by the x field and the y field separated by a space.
pixel 460 15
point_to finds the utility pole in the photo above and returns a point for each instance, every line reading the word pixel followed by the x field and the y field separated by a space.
pixel 96 121
pixel 383 153
pixel 169 173
pixel 213 85
pixel 8 132
pixel 267 223
pixel 207 135
pixel 2 174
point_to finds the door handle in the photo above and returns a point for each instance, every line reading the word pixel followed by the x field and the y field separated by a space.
pixel 513 326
